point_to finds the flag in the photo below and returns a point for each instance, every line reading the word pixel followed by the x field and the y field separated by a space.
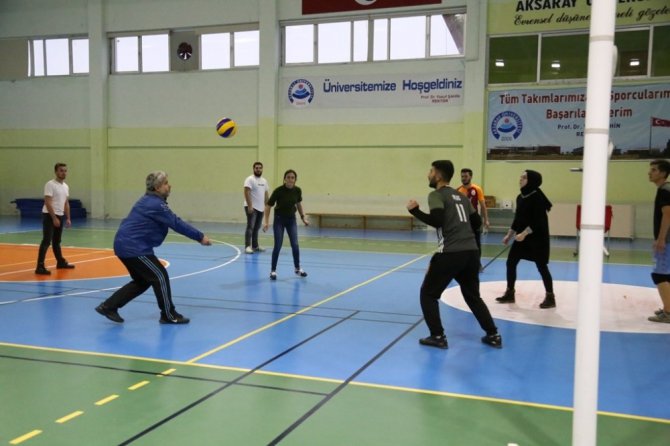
pixel 320 6
pixel 658 122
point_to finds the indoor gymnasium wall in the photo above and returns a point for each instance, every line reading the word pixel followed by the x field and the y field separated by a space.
pixel 349 160
pixel 155 121
pixel 167 122
pixel 42 121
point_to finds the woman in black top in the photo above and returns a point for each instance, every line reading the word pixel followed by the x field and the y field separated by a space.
pixel 287 198
pixel 530 230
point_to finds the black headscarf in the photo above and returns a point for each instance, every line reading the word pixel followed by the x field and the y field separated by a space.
pixel 533 187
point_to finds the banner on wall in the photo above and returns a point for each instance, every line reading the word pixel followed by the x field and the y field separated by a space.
pixel 321 6
pixel 521 16
pixel 392 90
pixel 549 124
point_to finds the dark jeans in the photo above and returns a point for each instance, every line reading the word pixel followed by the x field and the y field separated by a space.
pixel 146 271
pixel 51 235
pixel 464 268
pixel 291 225
pixel 254 223
pixel 543 268
pixel 478 239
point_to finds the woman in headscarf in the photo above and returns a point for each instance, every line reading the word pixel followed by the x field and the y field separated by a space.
pixel 530 230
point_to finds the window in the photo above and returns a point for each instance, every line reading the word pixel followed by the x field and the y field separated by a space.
pixel 513 59
pixel 150 53
pixel 564 57
pixel 380 42
pixel 153 57
pixel 215 51
pixel 633 51
pixel 660 62
pixel 79 56
pixel 36 67
pixel 126 54
pixel 57 57
pixel 447 32
pixel 360 40
pixel 299 44
pixel 247 48
pixel 408 38
pixel 334 42
pixel 393 38
pixel 155 53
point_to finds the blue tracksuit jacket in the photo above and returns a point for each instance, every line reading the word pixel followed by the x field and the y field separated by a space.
pixel 146 227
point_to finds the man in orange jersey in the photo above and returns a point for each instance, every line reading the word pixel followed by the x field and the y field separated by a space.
pixel 475 194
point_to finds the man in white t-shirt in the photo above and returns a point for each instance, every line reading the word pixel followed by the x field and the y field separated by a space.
pixel 55 215
pixel 255 197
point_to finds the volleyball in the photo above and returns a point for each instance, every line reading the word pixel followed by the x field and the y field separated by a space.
pixel 226 128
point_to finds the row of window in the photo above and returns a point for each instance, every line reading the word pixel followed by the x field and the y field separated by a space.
pixel 399 38
pixel 535 58
pixel 364 40
pixel 512 59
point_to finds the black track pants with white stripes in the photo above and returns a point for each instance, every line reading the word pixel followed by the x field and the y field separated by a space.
pixel 146 271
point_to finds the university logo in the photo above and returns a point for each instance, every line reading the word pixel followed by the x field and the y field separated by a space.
pixel 300 93
pixel 506 126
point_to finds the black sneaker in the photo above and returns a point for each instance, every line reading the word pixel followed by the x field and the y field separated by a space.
pixel 435 341
pixel 64 265
pixel 109 313
pixel 177 319
pixel 42 271
pixel 493 340
pixel 300 272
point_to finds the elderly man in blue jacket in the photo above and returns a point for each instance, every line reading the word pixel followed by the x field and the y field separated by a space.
pixel 144 229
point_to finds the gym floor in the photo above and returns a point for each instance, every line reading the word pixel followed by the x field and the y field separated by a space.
pixel 329 359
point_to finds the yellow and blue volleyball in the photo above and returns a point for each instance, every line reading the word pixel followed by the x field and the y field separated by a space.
pixel 226 127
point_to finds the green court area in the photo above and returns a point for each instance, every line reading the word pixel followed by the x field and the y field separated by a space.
pixel 56 397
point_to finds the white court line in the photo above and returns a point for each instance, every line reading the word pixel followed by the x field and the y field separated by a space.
pixel 80 293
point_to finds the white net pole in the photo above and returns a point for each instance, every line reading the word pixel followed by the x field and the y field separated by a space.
pixel 591 243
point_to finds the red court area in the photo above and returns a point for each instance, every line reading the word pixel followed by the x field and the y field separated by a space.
pixel 17 264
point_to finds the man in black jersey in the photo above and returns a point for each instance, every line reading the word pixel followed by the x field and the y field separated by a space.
pixel 457 256
pixel 658 174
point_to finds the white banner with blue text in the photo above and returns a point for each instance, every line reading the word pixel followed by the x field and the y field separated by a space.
pixel 388 90
pixel 549 123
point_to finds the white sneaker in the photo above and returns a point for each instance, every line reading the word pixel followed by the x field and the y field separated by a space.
pixel 300 272
pixel 259 249
pixel 249 250
pixel 273 275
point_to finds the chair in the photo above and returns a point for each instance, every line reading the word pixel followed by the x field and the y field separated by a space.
pixel 608 224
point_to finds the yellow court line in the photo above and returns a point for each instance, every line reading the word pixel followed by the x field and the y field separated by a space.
pixel 118 356
pixel 324 380
pixel 304 310
pixel 458 395
pixel 167 372
pixel 67 418
pixel 25 437
pixel 138 385
pixel 106 400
